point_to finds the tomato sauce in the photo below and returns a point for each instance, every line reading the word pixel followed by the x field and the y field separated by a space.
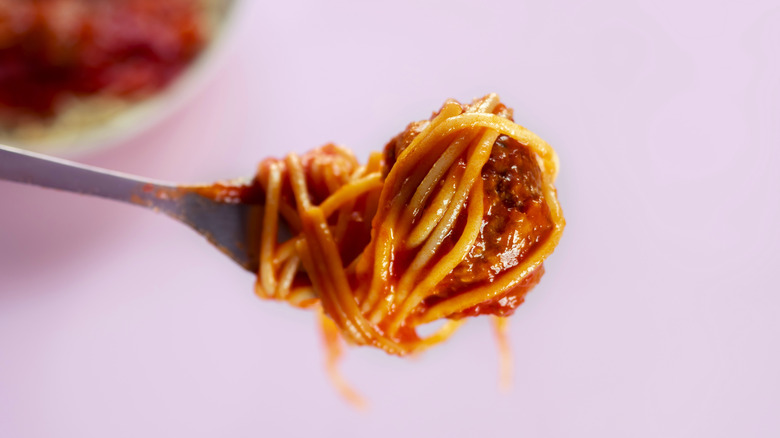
pixel 515 221
pixel 54 50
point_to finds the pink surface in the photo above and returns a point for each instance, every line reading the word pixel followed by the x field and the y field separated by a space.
pixel 658 313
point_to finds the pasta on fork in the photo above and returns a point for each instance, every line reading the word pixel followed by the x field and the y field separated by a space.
pixel 453 219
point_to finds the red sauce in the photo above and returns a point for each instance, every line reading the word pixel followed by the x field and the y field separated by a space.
pixel 232 192
pixel 516 220
pixel 51 50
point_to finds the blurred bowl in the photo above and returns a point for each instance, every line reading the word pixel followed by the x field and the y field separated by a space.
pixel 95 124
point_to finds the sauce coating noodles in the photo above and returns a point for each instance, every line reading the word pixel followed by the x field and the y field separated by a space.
pixel 454 219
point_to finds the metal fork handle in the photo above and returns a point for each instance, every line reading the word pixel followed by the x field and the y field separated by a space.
pixel 226 225
pixel 31 168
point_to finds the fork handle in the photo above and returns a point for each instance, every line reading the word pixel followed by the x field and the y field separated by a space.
pixel 45 171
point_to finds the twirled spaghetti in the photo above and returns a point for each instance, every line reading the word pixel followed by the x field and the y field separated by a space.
pixel 453 220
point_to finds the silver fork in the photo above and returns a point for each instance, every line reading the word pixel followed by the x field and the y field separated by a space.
pixel 226 222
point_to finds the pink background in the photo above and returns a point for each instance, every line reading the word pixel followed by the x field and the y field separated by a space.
pixel 658 316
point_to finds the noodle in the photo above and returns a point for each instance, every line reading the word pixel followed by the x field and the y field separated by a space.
pixel 453 220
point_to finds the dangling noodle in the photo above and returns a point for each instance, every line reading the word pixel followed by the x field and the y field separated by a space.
pixel 454 219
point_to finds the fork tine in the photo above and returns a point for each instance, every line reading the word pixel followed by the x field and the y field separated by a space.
pixel 233 228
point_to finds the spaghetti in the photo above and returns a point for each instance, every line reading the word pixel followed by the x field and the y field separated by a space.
pixel 453 220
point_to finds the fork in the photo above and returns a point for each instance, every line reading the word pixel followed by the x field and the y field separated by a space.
pixel 216 211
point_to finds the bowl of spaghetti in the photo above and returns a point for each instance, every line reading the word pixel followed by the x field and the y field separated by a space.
pixel 80 74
